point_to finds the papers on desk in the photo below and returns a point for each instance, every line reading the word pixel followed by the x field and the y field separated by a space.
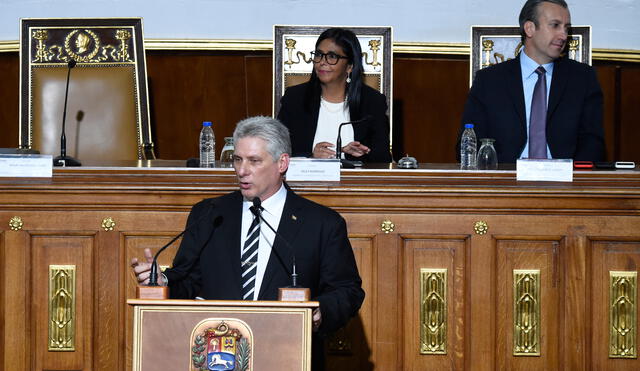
pixel 28 166
pixel 555 170
pixel 314 169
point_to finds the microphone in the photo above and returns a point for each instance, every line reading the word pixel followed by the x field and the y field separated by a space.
pixel 63 159
pixel 153 275
pixel 294 292
pixel 339 139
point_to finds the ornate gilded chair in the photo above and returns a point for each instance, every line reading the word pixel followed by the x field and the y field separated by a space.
pixel 494 44
pixel 108 112
pixel 293 65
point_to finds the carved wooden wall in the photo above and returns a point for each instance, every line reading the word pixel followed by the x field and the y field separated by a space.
pixel 461 270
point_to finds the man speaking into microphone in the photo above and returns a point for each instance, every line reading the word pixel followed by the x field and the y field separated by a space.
pixel 233 255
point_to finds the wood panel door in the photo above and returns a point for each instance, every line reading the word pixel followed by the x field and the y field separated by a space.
pixel 66 278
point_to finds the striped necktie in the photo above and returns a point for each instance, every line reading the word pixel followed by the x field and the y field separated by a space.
pixel 249 260
pixel 538 117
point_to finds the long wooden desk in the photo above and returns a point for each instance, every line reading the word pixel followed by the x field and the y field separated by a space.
pixel 462 270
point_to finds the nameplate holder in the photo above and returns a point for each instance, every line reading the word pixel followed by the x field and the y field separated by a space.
pixel 546 170
pixel 26 166
pixel 314 170
pixel 152 292
pixel 294 294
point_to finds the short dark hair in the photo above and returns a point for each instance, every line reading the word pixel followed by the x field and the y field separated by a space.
pixel 529 12
pixel 349 43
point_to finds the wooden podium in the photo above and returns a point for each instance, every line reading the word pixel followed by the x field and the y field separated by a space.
pixel 191 334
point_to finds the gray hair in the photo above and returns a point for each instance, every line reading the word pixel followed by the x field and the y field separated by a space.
pixel 272 131
pixel 529 12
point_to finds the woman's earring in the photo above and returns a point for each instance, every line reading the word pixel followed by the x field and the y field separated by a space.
pixel 349 78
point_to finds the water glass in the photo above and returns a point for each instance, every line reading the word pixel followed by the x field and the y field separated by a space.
pixel 487 157
pixel 226 156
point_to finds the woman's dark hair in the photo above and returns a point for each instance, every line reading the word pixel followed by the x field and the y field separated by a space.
pixel 349 43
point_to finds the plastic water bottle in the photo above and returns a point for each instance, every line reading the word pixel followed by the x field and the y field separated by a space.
pixel 207 145
pixel 468 148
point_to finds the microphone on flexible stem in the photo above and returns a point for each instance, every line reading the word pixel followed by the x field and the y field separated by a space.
pixel 344 162
pixel 293 292
pixel 63 159
pixel 152 290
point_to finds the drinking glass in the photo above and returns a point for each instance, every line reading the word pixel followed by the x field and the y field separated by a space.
pixel 487 157
pixel 226 156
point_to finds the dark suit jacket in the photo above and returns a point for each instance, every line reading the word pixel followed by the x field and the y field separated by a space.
pixel 496 107
pixel 208 261
pixel 302 123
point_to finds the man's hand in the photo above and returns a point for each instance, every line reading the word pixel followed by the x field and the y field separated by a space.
pixel 142 270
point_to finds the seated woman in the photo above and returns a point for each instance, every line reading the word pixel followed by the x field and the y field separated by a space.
pixel 335 94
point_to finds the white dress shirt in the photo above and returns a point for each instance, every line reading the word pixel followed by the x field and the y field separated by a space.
pixel 272 211
pixel 330 117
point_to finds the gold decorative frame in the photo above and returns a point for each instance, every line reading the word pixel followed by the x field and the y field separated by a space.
pixel 526 312
pixel 92 42
pixel 623 314
pixel 297 41
pixel 399 47
pixel 495 44
pixel 433 311
pixel 62 308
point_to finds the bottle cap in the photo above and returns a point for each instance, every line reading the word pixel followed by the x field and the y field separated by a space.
pixel 206 123
pixel 468 126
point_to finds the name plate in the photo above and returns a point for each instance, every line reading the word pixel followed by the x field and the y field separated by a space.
pixel 314 169
pixel 556 170
pixel 28 166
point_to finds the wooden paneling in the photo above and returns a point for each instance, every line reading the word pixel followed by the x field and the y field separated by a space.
pixel 15 337
pixel 188 87
pixel 539 253
pixel 259 84
pixel 9 99
pixel 428 98
pixel 630 112
pixel 74 249
pixel 2 301
pixel 610 254
pixel 435 252
pixel 609 82
pixel 574 233
pixel 350 348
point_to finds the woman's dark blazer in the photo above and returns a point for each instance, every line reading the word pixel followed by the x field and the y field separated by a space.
pixel 302 123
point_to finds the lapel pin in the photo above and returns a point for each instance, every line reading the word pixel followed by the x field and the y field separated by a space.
pixel 294 217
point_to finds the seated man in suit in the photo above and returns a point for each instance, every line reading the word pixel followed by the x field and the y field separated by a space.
pixel 540 104
pixel 229 254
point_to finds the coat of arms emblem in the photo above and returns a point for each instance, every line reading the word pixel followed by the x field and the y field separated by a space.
pixel 221 344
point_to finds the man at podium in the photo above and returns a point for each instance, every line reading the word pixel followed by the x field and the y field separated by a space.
pixel 228 253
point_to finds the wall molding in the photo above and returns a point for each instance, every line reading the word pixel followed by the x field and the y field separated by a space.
pixel 436 48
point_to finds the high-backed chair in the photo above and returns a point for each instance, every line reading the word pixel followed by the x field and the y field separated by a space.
pixel 108 112
pixel 292 62
pixel 494 44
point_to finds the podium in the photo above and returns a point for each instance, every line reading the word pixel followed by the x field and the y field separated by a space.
pixel 221 335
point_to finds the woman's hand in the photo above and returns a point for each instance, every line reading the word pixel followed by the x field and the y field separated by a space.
pixel 356 149
pixel 324 150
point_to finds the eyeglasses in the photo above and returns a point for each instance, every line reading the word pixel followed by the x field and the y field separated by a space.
pixel 331 57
